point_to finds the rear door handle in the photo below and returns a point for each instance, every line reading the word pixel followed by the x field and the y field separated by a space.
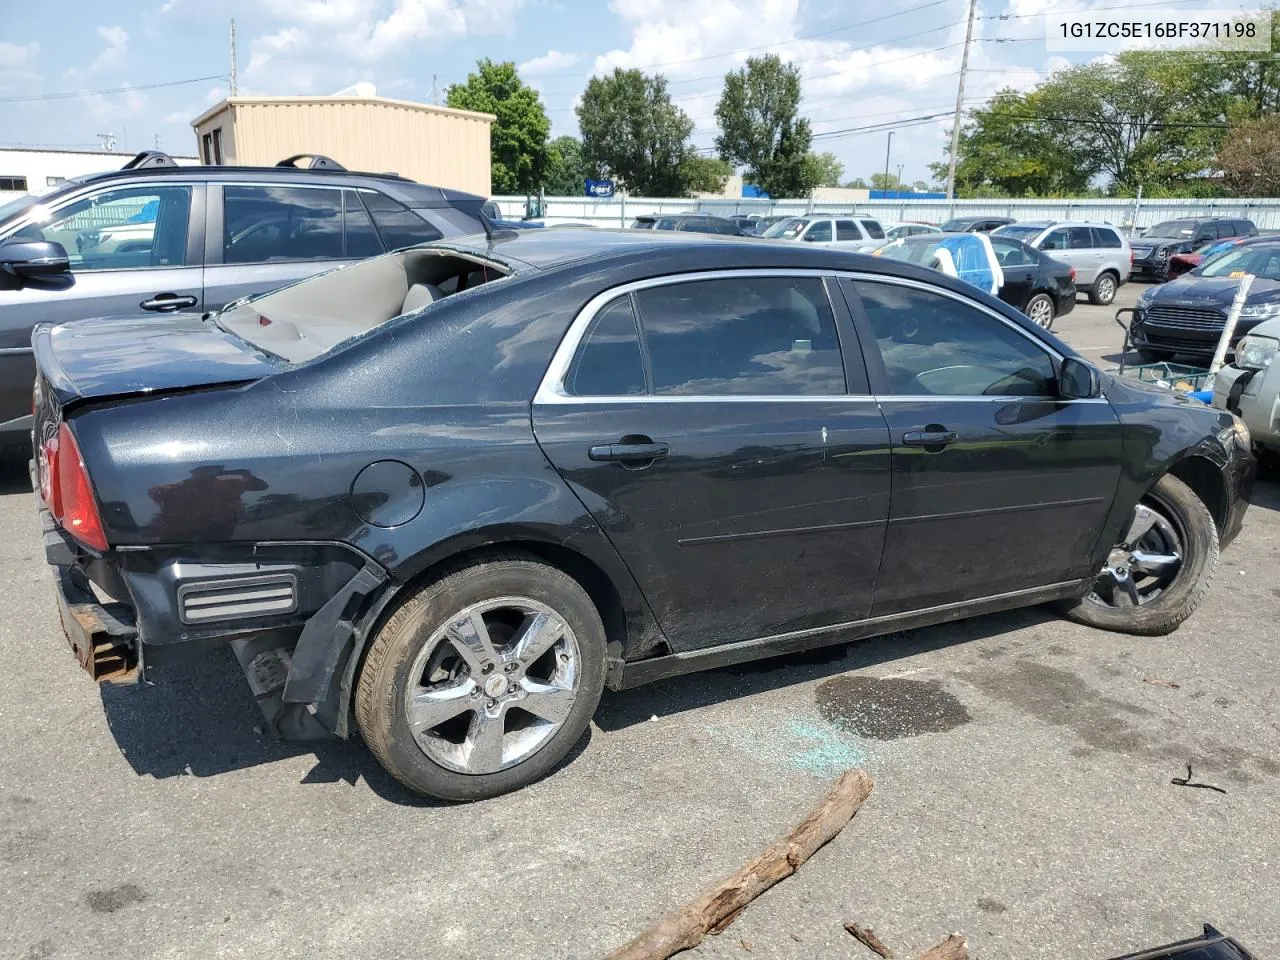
pixel 637 452
pixel 164 302
pixel 928 438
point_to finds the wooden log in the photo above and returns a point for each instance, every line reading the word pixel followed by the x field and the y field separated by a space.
pixel 717 906
pixel 867 937
pixel 952 948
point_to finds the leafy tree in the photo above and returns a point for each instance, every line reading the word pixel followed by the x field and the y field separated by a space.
pixel 827 170
pixel 920 187
pixel 885 181
pixel 705 174
pixel 1250 157
pixel 567 170
pixel 631 129
pixel 857 183
pixel 760 130
pixel 518 138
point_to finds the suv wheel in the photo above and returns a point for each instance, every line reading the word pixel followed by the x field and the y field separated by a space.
pixel 1040 310
pixel 1158 573
pixel 482 681
pixel 1103 290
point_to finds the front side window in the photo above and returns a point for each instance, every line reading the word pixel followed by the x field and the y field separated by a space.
pixel 819 232
pixel 933 345
pixel 762 336
pixel 269 224
pixel 121 229
pixel 1057 240
pixel 847 230
pixel 609 363
pixel 398 225
pixel 787 229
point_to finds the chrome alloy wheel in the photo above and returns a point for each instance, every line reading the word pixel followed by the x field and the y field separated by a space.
pixel 1041 313
pixel 1106 290
pixel 493 685
pixel 1143 565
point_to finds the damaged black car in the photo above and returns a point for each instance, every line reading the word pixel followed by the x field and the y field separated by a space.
pixel 448 495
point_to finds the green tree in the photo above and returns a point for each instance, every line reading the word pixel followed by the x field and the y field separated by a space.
pixel 759 129
pixel 567 170
pixel 632 130
pixel 705 174
pixel 1250 157
pixel 857 183
pixel 827 170
pixel 885 181
pixel 920 187
pixel 518 138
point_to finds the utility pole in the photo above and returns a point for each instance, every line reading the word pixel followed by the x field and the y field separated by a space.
pixel 887 147
pixel 108 140
pixel 955 123
pixel 233 57
pixel 435 91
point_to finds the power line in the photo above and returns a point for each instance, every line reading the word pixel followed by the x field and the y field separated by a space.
pixel 102 93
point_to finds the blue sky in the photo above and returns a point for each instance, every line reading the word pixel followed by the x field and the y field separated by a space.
pixel 863 63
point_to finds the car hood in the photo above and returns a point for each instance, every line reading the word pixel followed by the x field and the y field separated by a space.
pixel 1156 241
pixel 119 356
pixel 1216 292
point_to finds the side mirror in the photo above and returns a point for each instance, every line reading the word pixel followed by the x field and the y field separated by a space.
pixel 1078 380
pixel 33 258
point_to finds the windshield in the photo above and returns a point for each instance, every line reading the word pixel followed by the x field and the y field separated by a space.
pixel 1262 260
pixel 918 250
pixel 1019 231
pixel 1172 228
pixel 787 229
pixel 16 206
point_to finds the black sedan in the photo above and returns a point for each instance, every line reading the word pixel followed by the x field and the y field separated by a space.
pixel 1041 287
pixel 1185 316
pixel 449 494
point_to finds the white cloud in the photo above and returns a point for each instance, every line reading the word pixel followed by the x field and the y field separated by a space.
pixel 116 39
pixel 105 108
pixel 14 56
pixel 550 62
pixel 264 49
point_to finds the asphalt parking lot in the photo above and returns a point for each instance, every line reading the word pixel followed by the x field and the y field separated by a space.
pixel 1023 795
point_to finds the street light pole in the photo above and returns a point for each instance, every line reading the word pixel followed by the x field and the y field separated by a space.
pixel 887 147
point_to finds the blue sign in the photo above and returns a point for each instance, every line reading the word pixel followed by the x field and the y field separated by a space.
pixel 600 188
pixel 751 190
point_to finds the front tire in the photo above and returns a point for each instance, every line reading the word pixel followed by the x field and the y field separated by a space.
pixel 1040 310
pixel 482 681
pixel 1160 571
pixel 1103 290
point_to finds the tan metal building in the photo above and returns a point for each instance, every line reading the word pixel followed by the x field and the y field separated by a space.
pixel 436 145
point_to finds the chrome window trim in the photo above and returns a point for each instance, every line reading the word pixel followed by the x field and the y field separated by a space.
pixel 551 389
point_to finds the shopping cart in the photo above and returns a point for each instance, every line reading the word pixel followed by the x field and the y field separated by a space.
pixel 1179 377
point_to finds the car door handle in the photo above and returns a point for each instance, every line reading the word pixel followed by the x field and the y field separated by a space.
pixel 167 301
pixel 629 451
pixel 928 438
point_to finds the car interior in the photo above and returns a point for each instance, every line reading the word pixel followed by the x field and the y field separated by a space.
pixel 302 321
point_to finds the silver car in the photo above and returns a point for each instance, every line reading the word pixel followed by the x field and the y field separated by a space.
pixel 1249 387
pixel 1099 252
pixel 850 232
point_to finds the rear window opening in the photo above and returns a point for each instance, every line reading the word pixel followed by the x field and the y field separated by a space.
pixel 304 320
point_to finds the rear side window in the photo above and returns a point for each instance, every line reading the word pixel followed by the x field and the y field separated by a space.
pixel 360 238
pixel 609 363
pixel 1056 240
pixel 819 231
pixel 665 224
pixel 762 336
pixel 398 225
pixel 265 224
pixel 847 230
pixel 1106 239
pixel 934 345
pixel 873 228
pixel 1081 238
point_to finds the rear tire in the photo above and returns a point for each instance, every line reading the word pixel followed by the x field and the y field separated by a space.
pixel 1041 310
pixel 1189 534
pixel 1103 291
pixel 440 658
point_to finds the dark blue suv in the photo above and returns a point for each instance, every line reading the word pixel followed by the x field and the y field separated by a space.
pixel 163 238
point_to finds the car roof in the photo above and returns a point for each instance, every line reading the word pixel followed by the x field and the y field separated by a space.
pixel 401 188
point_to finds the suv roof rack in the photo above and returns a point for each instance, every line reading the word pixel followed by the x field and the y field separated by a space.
pixel 150 158
pixel 318 162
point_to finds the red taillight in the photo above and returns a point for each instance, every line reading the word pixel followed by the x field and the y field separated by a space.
pixel 1072 274
pixel 47 471
pixel 72 503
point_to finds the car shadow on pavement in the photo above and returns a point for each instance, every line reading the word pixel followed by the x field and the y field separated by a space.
pixel 14 477
pixel 689 692
pixel 199 719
